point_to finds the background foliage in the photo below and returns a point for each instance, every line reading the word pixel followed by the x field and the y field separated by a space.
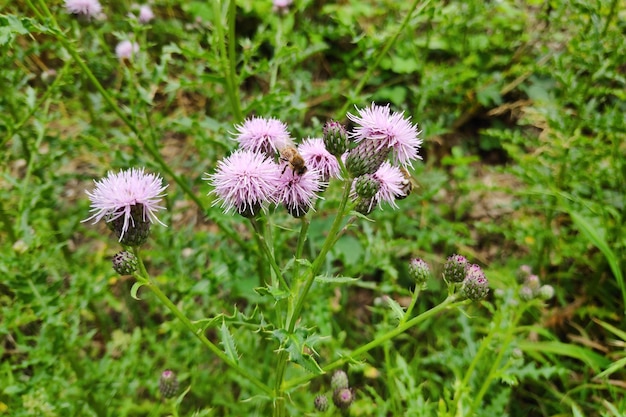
pixel 522 109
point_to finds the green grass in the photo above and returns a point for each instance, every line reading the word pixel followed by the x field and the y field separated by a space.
pixel 521 107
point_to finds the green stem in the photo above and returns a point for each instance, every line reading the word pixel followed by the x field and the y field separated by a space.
pixel 447 304
pixel 268 254
pixel 321 257
pixel 144 279
pixel 495 367
pixel 370 69
pixel 302 291
pixel 227 57
pixel 409 310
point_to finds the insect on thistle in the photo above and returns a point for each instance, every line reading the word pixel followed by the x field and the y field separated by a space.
pixel 294 160
pixel 406 184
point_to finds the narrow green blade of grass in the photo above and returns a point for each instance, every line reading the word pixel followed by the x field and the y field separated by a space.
pixel 592 359
pixel 594 237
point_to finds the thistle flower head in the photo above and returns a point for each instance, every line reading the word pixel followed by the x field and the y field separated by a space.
pixel 318 158
pixel 245 181
pixel 391 182
pixel 365 158
pixel 85 8
pixel 128 200
pixel 475 285
pixel 259 134
pixel 281 6
pixel 125 50
pixel 387 130
pixel 145 14
pixel 297 192
pixel 455 268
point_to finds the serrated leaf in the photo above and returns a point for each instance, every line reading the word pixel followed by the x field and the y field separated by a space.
pixel 307 362
pixel 228 343
pixel 396 309
pixel 277 293
pixel 335 280
pixel 135 288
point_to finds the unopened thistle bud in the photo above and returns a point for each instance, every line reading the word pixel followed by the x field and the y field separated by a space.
pixel 455 268
pixel 533 282
pixel 321 403
pixel 523 272
pixel 343 397
pixel 125 263
pixel 366 158
pixel 335 138
pixel 366 186
pixel 339 380
pixel 475 285
pixel 419 271
pixel 168 384
pixel 526 293
pixel 546 292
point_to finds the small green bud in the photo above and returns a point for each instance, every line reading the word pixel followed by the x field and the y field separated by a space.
pixel 475 285
pixel 419 271
pixel 339 380
pixel 321 403
pixel 125 263
pixel 546 292
pixel 335 138
pixel 455 268
pixel 526 293
pixel 343 397
pixel 168 384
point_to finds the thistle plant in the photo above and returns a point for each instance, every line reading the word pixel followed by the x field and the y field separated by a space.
pixel 257 183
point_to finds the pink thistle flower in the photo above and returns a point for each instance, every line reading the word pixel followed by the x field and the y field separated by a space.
pixel 389 131
pixel 318 158
pixel 298 192
pixel 281 6
pixel 389 179
pixel 85 8
pixel 267 136
pixel 126 199
pixel 245 181
pixel 126 49
pixel 145 14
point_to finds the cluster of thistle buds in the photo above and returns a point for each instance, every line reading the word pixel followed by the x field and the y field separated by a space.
pixel 342 394
pixel 474 284
pixel 531 285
